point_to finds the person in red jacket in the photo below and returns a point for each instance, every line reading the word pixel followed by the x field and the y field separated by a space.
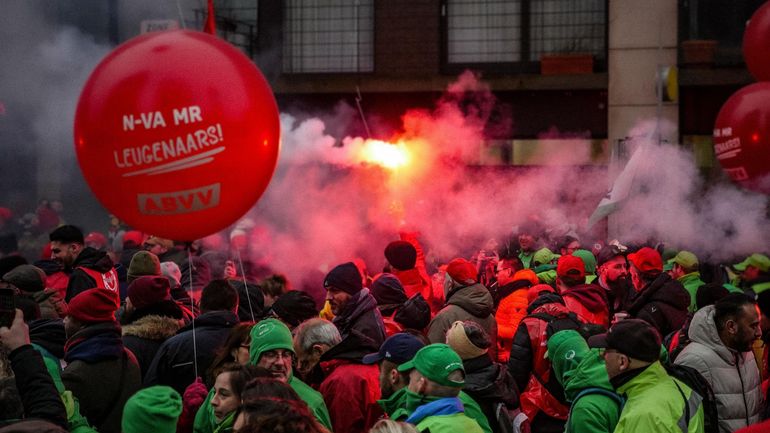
pixel 407 263
pixel 512 303
pixel 349 387
pixel 588 301
pixel 542 396
pixel 89 268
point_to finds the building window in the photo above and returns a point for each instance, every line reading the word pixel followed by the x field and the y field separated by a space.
pixel 520 31
pixel 567 26
pixel 481 31
pixel 328 36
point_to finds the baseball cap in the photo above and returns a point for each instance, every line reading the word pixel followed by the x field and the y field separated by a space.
pixel 608 253
pixel 436 362
pixel 684 259
pixel 398 349
pixel 646 259
pixel 759 261
pixel 634 338
pixel 571 266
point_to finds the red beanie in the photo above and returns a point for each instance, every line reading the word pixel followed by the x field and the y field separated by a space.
pixel 462 271
pixel 148 290
pixel 93 305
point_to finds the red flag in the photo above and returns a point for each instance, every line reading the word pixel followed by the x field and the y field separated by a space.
pixel 211 24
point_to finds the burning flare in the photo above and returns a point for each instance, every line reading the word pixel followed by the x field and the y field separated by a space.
pixel 389 155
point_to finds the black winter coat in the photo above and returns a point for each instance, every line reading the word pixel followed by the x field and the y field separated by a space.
pixel 663 303
pixel 489 383
pixel 173 364
pixel 148 328
pixel 361 314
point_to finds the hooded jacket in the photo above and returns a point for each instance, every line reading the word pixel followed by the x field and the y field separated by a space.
pixel 444 415
pixel 149 328
pixel 589 302
pixel 472 303
pixel 663 303
pixel 733 376
pixel 511 310
pixel 691 283
pixel 350 388
pixel 578 368
pixel 93 260
pixel 489 384
pixel 403 403
pixel 173 364
pixel 361 313
pixel 654 404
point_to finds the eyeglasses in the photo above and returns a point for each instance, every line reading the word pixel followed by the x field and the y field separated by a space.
pixel 274 355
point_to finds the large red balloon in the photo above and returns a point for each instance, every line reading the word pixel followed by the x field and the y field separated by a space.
pixel 177 133
pixel 742 137
pixel 756 43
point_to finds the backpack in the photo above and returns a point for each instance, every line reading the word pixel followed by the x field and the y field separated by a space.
pixel 693 379
pixel 558 323
pixel 511 420
pixel 596 390
pixel 677 340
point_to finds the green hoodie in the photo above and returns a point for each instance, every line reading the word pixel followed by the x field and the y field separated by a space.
pixel 272 334
pixel 403 402
pixel 691 283
pixel 577 368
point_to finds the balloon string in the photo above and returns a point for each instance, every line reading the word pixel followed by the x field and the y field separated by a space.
pixel 245 287
pixel 192 309
pixel 182 23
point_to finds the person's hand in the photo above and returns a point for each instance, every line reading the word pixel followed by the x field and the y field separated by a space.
pixel 230 271
pixel 17 335
pixel 622 315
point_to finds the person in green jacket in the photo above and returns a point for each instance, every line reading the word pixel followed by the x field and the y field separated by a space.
pixel 655 401
pixel 398 401
pixel 436 375
pixel 595 407
pixel 272 348
pixel 684 268
pixel 754 273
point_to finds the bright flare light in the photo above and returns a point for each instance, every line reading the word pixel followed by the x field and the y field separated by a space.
pixel 388 155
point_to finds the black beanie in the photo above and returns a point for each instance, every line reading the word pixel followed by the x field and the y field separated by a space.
pixel 294 307
pixel 387 290
pixel 401 255
pixel 344 277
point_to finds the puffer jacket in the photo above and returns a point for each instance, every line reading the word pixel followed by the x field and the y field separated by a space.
pixel 542 396
pixel 663 303
pixel 510 312
pixel 733 376
pixel 472 303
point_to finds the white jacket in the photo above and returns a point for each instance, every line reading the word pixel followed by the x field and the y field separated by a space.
pixel 733 376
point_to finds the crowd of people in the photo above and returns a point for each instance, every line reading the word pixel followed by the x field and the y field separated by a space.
pixel 128 332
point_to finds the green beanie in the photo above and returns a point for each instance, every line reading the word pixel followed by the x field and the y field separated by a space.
pixel 143 263
pixel 565 350
pixel 154 409
pixel 589 260
pixel 269 334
